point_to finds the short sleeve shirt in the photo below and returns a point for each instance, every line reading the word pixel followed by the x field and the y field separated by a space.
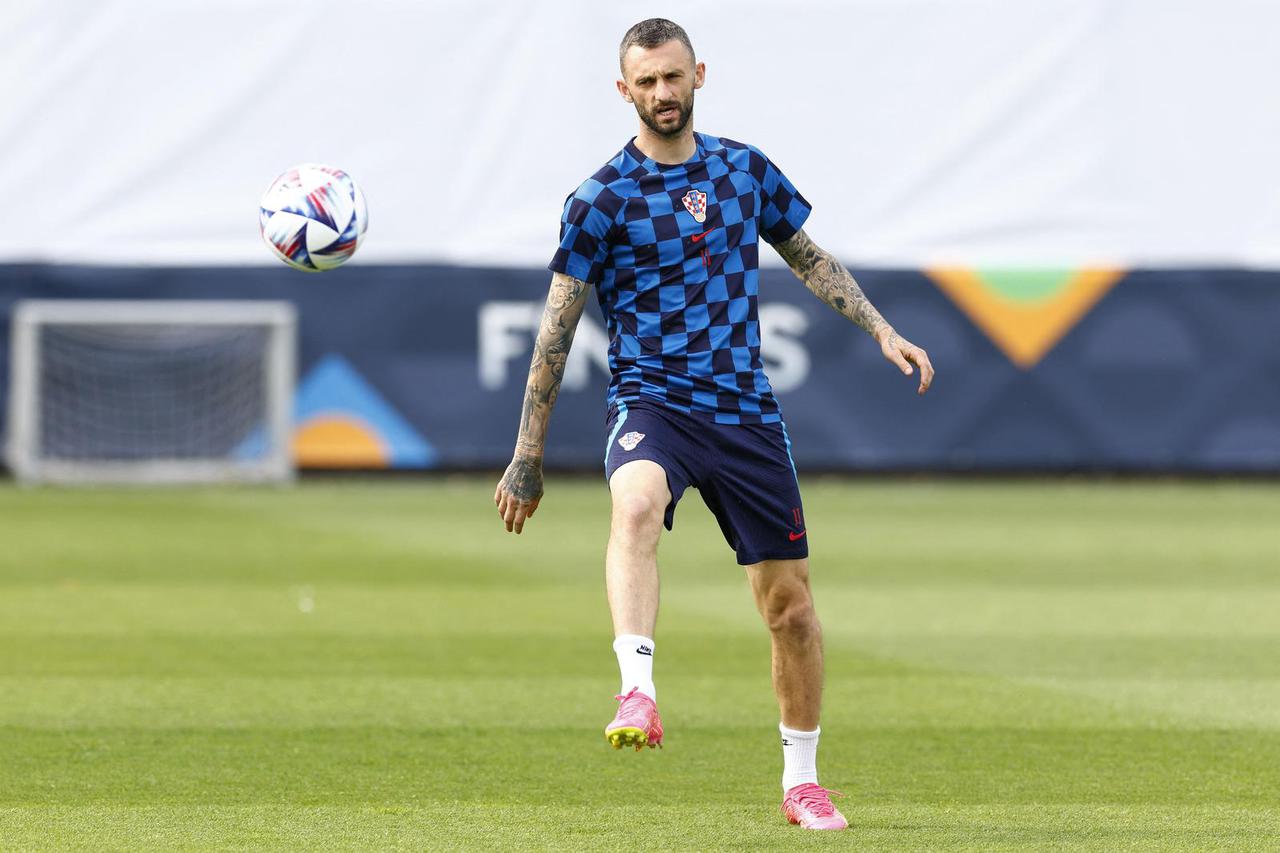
pixel 673 251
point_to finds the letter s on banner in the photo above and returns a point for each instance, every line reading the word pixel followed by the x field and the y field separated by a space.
pixel 504 333
pixel 786 359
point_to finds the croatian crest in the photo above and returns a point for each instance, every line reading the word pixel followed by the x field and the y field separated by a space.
pixel 696 203
pixel 630 440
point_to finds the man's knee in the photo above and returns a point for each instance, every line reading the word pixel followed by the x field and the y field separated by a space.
pixel 785 601
pixel 640 497
pixel 791 614
pixel 636 512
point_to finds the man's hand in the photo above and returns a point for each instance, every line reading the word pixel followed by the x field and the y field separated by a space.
pixel 903 353
pixel 519 491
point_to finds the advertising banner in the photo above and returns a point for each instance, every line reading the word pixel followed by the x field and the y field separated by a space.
pixel 419 367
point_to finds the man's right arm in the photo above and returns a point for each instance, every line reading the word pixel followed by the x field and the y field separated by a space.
pixel 832 283
pixel 520 489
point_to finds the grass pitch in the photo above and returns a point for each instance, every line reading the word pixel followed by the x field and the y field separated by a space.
pixel 378 665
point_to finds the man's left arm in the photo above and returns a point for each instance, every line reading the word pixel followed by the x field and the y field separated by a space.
pixel 834 285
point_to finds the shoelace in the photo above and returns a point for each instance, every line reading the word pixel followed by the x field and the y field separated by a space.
pixel 816 799
pixel 634 691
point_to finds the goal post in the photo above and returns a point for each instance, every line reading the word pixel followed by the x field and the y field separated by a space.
pixel 151 391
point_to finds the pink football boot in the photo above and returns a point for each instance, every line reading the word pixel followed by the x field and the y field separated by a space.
pixel 810 806
pixel 637 723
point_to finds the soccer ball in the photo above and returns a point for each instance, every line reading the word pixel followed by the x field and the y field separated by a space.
pixel 313 217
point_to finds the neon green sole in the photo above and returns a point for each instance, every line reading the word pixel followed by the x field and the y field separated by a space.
pixel 628 736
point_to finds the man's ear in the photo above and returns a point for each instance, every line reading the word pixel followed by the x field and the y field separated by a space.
pixel 699 74
pixel 624 90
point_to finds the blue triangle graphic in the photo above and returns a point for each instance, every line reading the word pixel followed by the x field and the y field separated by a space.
pixel 335 387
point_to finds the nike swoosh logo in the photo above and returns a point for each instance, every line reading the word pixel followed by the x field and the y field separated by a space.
pixel 696 237
pixel 795 536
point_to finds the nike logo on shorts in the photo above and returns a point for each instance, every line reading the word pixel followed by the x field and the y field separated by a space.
pixel 795 536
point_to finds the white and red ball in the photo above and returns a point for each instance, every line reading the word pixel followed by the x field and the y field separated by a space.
pixel 313 217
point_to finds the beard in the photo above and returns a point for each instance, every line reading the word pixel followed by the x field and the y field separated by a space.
pixel 684 112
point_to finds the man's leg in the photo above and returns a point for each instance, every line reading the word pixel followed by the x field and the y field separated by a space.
pixel 781 589
pixel 640 498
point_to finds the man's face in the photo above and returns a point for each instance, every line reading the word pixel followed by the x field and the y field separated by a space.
pixel 660 81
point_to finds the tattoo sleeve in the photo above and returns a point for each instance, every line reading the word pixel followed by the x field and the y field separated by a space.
pixel 565 301
pixel 830 281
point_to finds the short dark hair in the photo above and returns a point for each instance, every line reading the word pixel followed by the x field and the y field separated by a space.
pixel 652 32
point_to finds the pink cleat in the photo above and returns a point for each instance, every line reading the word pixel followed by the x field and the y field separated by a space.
pixel 810 806
pixel 637 723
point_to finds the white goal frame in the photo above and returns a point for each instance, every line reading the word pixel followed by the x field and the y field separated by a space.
pixel 23 452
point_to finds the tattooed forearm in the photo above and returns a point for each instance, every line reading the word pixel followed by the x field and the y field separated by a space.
pixel 831 282
pixel 560 317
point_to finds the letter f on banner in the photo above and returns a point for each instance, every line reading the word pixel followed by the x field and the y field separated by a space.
pixel 504 333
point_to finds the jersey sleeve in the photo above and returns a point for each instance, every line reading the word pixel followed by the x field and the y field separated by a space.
pixel 585 228
pixel 783 210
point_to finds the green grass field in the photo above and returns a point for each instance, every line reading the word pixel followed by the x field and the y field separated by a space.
pixel 377 665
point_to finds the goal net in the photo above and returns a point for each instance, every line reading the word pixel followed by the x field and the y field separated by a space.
pixel 151 391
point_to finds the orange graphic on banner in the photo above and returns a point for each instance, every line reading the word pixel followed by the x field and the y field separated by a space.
pixel 1025 312
pixel 335 441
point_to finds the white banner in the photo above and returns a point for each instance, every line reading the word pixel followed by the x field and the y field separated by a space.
pixel 1130 132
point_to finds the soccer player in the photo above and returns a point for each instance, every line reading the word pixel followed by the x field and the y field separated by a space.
pixel 667 234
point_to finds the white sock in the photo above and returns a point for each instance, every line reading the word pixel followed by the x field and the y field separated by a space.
pixel 635 661
pixel 799 757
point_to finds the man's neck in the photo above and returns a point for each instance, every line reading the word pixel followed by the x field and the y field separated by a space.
pixel 667 150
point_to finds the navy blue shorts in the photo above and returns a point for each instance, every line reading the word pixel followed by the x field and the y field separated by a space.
pixel 744 473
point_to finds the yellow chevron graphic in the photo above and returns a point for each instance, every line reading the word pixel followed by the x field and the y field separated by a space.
pixel 1025 312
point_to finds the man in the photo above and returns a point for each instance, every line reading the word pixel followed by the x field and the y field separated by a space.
pixel 668 235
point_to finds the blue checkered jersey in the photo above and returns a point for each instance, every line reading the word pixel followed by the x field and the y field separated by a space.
pixel 673 251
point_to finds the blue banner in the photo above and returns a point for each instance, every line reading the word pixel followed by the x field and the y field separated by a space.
pixel 424 366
